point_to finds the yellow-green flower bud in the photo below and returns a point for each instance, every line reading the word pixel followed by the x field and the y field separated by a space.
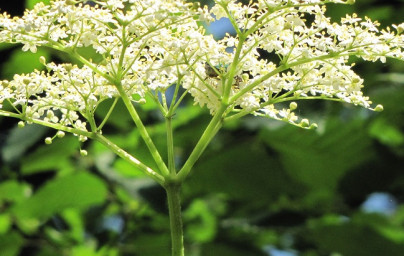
pixel 293 106
pixel 21 124
pixel 48 140
pixel 378 108
pixel 304 123
pixel 4 83
pixel 287 25
pixel 26 80
pixel 244 77
pixel 400 28
pixel 68 67
pixel 42 60
pixel 356 80
pixel 83 152
pixel 60 134
pixel 313 126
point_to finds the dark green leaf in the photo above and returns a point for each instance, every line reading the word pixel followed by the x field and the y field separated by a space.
pixel 320 160
pixel 20 140
pixel 386 133
pixel 50 157
pixel 80 191
pixel 10 244
pixel 242 170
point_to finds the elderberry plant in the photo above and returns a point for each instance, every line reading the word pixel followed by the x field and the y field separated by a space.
pixel 144 47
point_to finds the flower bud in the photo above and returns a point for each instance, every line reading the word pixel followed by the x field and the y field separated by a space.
pixel 356 80
pixel 68 67
pixel 48 140
pixel 304 123
pixel 244 77
pixel 142 101
pixel 293 106
pixel 287 26
pixel 60 134
pixel 400 28
pixel 42 60
pixel 313 126
pixel 21 124
pixel 83 152
pixel 26 80
pixel 378 108
pixel 4 83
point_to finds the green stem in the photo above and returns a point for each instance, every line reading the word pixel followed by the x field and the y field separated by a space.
pixel 129 158
pixel 203 142
pixel 108 114
pixel 170 146
pixel 142 130
pixel 173 191
pixel 55 126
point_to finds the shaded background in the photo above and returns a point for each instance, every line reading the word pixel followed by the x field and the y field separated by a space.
pixel 261 188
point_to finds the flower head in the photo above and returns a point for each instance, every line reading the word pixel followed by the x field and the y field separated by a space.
pixel 142 47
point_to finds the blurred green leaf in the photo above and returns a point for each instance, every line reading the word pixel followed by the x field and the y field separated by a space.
pixel 355 237
pixel 119 117
pixel 386 133
pixel 220 249
pixel 243 170
pixel 31 3
pixel 202 222
pixel 5 223
pixel 76 226
pixel 23 62
pixel 5 46
pixel 13 191
pixel 20 140
pixel 149 244
pixel 127 170
pixel 50 157
pixel 10 244
pixel 78 191
pixel 380 12
pixel 83 251
pixel 320 160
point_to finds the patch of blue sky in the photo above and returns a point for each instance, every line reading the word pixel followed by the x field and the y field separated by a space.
pixel 380 202
pixel 220 27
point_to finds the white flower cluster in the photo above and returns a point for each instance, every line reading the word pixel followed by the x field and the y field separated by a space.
pixel 146 46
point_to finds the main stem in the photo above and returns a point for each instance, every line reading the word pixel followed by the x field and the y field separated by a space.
pixel 173 191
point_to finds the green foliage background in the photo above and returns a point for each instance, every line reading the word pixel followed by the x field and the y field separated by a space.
pixel 261 185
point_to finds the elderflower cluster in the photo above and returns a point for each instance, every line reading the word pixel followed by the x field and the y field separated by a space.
pixel 145 46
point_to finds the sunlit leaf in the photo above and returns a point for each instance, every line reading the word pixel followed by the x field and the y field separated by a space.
pixel 13 191
pixel 30 3
pixel 23 62
pixel 5 223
